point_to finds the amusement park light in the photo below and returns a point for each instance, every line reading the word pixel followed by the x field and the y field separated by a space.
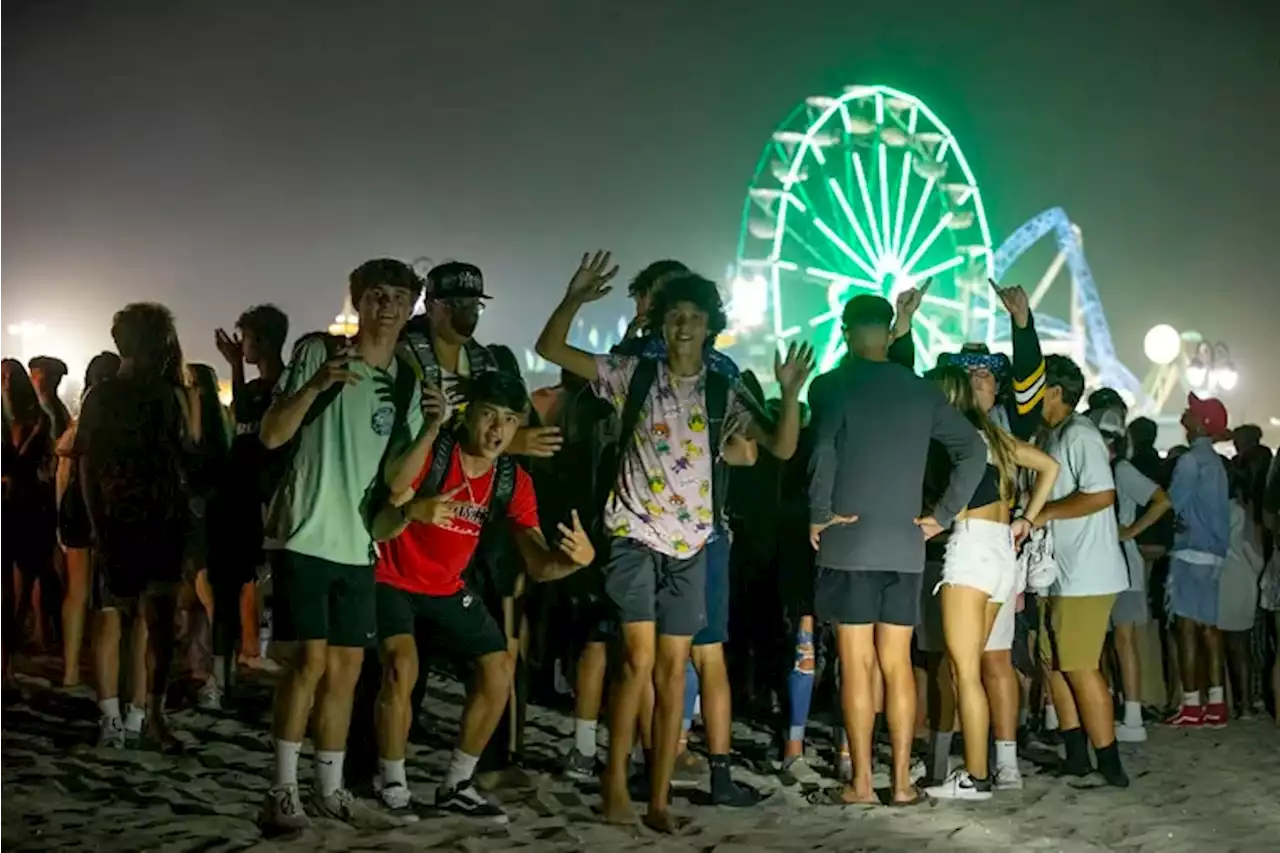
pixel 1162 344
pixel 1226 377
pixel 1197 374
pixel 748 302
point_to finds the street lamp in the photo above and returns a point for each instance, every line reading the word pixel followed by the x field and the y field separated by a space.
pixel 347 323
pixel 1211 369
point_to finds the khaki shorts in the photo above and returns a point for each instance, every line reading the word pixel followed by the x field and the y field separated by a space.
pixel 1073 631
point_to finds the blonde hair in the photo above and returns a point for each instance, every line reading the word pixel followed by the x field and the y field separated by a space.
pixel 955 385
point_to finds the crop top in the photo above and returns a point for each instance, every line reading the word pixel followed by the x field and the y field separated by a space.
pixel 988 491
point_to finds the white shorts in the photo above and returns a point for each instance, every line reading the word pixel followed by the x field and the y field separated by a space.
pixel 980 555
pixel 1002 630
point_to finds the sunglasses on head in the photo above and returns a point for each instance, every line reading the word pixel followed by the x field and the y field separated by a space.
pixel 997 364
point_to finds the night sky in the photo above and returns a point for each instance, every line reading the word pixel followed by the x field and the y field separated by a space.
pixel 216 155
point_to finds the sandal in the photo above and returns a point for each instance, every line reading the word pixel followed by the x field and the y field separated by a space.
pixel 834 797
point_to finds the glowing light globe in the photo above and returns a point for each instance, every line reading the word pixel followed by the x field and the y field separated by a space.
pixel 1162 344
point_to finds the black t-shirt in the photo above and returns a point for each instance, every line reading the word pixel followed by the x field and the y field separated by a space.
pixel 248 454
pixel 131 437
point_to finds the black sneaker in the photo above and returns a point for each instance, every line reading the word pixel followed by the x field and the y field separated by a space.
pixel 579 767
pixel 464 799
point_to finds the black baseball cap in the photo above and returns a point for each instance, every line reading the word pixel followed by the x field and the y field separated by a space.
pixel 455 279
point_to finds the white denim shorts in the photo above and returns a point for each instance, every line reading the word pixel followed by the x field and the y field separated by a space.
pixel 980 555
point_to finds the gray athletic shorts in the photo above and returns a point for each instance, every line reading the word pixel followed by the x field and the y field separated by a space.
pixel 1130 608
pixel 645 586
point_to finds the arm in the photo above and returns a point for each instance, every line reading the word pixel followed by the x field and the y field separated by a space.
pixel 403 469
pixel 1183 485
pixel 782 440
pixel 1085 454
pixel 791 372
pixel 741 452
pixel 309 375
pixel 589 283
pixel 826 422
pixel 390 521
pixel 1046 467
pixel 1077 505
pixel 1157 507
pixel 540 560
pixel 968 457
pixel 554 346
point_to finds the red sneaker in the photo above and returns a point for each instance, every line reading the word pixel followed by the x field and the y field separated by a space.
pixel 1188 717
pixel 1215 715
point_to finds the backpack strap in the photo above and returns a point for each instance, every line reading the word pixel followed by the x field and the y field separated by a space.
pixel 504 486
pixel 642 379
pixel 402 388
pixel 416 348
pixel 481 358
pixel 441 456
pixel 717 397
pixel 326 397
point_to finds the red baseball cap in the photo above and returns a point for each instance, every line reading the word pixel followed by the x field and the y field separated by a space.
pixel 1209 413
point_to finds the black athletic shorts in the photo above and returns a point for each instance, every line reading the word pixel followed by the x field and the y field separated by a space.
pixel 646 586
pixel 867 598
pixel 317 599
pixel 458 623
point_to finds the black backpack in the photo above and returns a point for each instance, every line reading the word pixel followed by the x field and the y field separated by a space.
pixel 491 543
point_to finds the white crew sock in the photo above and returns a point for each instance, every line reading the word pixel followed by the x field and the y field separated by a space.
pixel 110 707
pixel 1007 754
pixel 1217 695
pixel 939 759
pixel 287 762
pixel 461 769
pixel 637 752
pixel 392 772
pixel 329 771
pixel 1192 699
pixel 134 717
pixel 1051 718
pixel 1133 714
pixel 584 737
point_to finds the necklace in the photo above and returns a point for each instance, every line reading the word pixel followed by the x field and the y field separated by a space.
pixel 468 481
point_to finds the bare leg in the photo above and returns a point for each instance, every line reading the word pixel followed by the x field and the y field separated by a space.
pixel 1238 662
pixel 967 616
pixel 1212 665
pixel 893 649
pixel 717 701
pixel 1003 693
pixel 668 682
pixel 105 648
pixel 1189 663
pixel 857 651
pixel 1130 661
pixel 74 608
pixel 296 690
pixel 250 644
pixel 486 701
pixel 639 639
pixel 333 698
pixel 399 674
pixel 589 683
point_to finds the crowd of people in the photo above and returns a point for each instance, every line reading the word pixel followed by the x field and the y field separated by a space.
pixel 653 535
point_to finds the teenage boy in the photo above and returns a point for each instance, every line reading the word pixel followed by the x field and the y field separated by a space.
pixel 662 511
pixel 1091 573
pixel 349 412
pixel 431 537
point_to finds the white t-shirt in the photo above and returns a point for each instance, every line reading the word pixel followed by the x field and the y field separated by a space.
pixel 1086 549
pixel 449 384
pixel 1133 490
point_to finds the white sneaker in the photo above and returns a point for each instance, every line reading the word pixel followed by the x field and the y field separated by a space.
pixel 1008 779
pixel 844 768
pixel 1131 734
pixel 395 798
pixel 283 810
pixel 340 805
pixel 110 732
pixel 209 696
pixel 959 786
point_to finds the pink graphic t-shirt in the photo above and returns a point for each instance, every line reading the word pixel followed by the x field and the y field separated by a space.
pixel 663 494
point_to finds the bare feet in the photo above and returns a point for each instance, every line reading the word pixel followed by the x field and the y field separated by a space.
pixel 907 796
pixel 615 805
pixel 663 821
pixel 853 796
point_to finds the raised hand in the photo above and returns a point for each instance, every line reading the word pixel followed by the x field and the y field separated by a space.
pixel 815 530
pixel 794 370
pixel 540 442
pixel 929 526
pixel 576 545
pixel 336 371
pixel 1015 302
pixel 909 300
pixel 230 346
pixel 435 509
pixel 591 281
pixel 434 406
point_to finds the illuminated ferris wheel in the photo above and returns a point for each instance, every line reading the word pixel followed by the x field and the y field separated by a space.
pixel 864 192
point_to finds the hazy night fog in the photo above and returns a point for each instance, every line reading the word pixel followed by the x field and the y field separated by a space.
pixel 216 155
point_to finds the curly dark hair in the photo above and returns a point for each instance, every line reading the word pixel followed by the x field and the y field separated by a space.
pixel 268 323
pixel 651 275
pixel 384 271
pixel 144 332
pixel 1064 373
pixel 692 288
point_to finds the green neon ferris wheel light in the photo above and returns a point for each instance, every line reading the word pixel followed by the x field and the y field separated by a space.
pixel 865 192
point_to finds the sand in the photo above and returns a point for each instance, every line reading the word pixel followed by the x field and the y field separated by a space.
pixel 1192 791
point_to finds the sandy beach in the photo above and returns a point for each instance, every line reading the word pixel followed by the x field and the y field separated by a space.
pixel 1192 791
